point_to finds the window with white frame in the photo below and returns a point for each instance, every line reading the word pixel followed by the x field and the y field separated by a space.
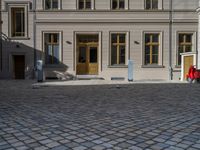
pixel 18 21
pixel 118 48
pixel 151 4
pixel 185 45
pixel 85 4
pixel 52 4
pixel 152 49
pixel 52 48
pixel 118 4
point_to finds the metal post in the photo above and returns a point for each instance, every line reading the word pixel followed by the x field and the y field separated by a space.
pixel 34 33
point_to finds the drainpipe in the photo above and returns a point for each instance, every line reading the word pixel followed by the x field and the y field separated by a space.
pixel 34 34
pixel 1 51
pixel 170 41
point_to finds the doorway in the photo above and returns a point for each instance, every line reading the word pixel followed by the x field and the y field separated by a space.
pixel 87 55
pixel 19 66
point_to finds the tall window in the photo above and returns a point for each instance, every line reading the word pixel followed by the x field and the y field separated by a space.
pixel 118 4
pixel 151 48
pixel 52 48
pixel 118 48
pixel 151 4
pixel 84 4
pixel 17 21
pixel 184 44
pixel 51 4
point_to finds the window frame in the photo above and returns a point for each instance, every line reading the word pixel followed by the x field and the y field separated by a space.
pixel 60 47
pixel 118 5
pixel 10 7
pixel 85 9
pixel 126 49
pixel 160 50
pixel 52 9
pixel 194 42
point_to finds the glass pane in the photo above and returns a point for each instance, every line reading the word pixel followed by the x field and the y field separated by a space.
pixel 188 48
pixel 188 38
pixel 122 38
pixel 121 4
pixel 93 54
pixel 81 4
pixel 82 54
pixel 47 4
pixel 181 38
pixel 147 50
pixel 154 59
pixel 154 4
pixel 147 38
pixel 155 50
pixel 56 55
pixel 55 38
pixel 114 55
pixel 155 38
pixel 55 4
pixel 114 38
pixel 48 54
pixel 148 4
pixel 122 52
pixel 88 4
pixel 147 59
pixel 114 4
pixel 180 50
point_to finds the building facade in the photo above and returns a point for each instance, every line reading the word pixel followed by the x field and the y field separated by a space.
pixel 97 38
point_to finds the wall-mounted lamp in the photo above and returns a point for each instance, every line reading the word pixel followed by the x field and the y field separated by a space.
pixel 68 42
pixel 136 42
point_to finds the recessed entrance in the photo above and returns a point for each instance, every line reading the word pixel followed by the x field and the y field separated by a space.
pixel 19 66
pixel 87 54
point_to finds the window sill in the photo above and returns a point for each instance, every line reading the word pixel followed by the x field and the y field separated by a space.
pixel 19 38
pixel 118 66
pixel 153 66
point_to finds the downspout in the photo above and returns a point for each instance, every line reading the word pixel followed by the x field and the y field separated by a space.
pixel 34 34
pixel 170 41
pixel 1 48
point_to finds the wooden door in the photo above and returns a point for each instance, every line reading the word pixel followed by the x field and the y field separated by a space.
pixel 188 61
pixel 87 60
pixel 19 67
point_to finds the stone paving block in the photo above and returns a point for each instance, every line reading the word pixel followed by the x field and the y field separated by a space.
pixel 80 148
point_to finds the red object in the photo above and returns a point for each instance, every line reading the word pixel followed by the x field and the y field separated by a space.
pixel 193 73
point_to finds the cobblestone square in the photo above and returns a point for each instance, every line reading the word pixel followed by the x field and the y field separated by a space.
pixel 103 117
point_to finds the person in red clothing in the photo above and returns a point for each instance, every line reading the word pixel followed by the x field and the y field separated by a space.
pixel 191 74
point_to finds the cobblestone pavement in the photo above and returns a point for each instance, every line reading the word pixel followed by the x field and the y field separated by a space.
pixel 110 117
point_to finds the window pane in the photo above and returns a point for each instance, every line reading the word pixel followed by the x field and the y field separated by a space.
pixel 48 53
pixel 88 4
pixel 148 4
pixel 122 38
pixel 154 4
pixel 147 38
pixel 114 4
pixel 147 54
pixel 114 55
pixel 81 4
pixel 55 38
pixel 82 54
pixel 114 38
pixel 93 54
pixel 121 4
pixel 181 38
pixel 188 48
pixel 155 50
pixel 155 38
pixel 56 54
pixel 47 4
pixel 180 50
pixel 188 38
pixel 122 52
pixel 154 59
pixel 147 59
pixel 55 4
